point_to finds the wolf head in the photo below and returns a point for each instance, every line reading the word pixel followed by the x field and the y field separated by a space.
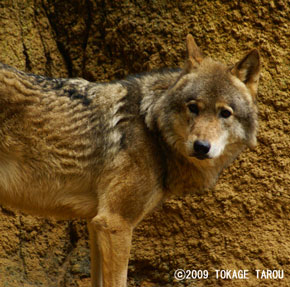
pixel 210 106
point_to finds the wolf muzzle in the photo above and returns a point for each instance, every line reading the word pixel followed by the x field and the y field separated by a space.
pixel 201 149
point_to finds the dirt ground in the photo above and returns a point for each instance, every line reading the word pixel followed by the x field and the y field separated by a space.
pixel 244 223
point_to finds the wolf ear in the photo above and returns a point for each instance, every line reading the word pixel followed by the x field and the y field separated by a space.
pixel 248 71
pixel 194 55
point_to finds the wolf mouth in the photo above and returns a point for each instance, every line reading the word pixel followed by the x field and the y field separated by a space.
pixel 200 156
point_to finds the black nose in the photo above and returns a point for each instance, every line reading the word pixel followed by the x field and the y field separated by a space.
pixel 201 147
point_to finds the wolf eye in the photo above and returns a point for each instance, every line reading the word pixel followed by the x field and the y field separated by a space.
pixel 193 108
pixel 225 113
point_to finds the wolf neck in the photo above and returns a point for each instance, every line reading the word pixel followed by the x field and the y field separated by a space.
pixel 185 176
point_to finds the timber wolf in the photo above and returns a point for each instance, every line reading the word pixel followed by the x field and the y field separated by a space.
pixel 111 152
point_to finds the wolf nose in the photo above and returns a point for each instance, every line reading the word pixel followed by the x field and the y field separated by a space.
pixel 201 147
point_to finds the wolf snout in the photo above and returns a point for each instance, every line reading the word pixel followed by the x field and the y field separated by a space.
pixel 201 148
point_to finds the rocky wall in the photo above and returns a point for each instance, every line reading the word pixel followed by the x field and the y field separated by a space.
pixel 242 224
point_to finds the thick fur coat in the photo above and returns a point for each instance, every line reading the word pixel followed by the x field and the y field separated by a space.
pixel 111 152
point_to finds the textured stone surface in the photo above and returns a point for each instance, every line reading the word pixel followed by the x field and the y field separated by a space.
pixel 244 223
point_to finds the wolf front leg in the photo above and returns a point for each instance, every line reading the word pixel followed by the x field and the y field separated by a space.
pixel 96 260
pixel 110 240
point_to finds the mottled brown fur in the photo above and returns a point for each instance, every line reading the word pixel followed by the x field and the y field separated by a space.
pixel 110 153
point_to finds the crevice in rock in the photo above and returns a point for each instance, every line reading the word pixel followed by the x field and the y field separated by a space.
pixel 25 50
pixel 60 45
pixel 66 264
pixel 89 8
pixel 27 60
pixel 48 58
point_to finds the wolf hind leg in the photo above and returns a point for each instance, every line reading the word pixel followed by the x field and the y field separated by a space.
pixel 110 239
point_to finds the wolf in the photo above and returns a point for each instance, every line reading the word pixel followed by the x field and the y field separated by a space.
pixel 111 152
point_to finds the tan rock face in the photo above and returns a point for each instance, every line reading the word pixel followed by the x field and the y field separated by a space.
pixel 244 223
